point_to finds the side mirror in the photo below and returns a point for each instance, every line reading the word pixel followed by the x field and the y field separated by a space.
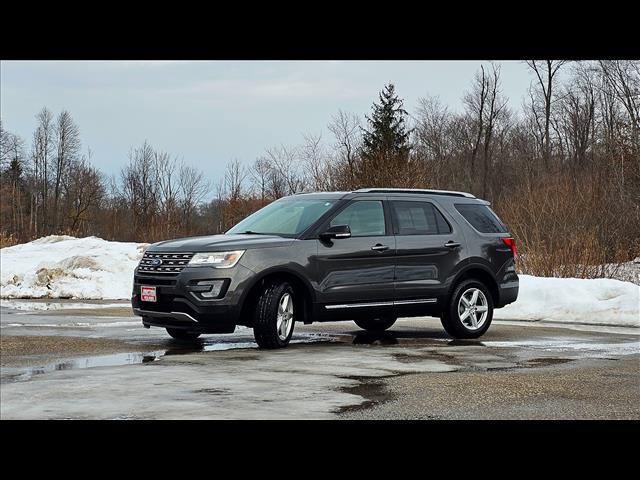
pixel 337 231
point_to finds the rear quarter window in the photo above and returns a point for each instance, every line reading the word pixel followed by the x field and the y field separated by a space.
pixel 481 217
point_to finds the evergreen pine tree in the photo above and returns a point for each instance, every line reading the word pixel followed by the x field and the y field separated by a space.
pixel 387 136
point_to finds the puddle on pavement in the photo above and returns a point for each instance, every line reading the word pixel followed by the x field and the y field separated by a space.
pixel 465 343
pixel 111 360
pixel 375 338
pixel 18 374
pixel 546 361
pixel 397 337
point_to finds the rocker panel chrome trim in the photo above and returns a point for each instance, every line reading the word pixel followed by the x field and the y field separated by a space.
pixel 380 304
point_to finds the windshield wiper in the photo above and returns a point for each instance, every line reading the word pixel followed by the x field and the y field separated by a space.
pixel 251 232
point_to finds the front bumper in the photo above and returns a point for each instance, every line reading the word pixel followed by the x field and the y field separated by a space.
pixel 179 305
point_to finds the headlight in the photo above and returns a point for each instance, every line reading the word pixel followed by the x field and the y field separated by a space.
pixel 217 259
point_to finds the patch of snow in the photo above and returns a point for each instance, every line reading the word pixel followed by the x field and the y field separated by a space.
pixel 605 349
pixel 57 305
pixel 60 266
pixel 73 324
pixel 598 301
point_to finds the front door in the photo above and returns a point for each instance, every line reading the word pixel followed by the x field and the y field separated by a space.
pixel 357 273
pixel 427 252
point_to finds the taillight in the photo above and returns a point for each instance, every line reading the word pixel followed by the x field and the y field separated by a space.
pixel 511 243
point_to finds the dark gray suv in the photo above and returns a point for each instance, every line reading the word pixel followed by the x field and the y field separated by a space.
pixel 371 256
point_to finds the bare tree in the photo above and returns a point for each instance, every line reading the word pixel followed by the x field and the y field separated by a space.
pixel 316 163
pixel 285 178
pixel 83 193
pixel 546 72
pixel 346 128
pixel 433 121
pixel 42 151
pixel 193 189
pixel 12 168
pixel 234 180
pixel 139 188
pixel 5 141
pixel 576 121
pixel 623 76
pixel 231 194
pixel 260 176
pixel 67 147
pixel 476 102
pixel 494 113
pixel 167 191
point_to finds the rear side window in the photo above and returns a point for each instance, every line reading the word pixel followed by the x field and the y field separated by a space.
pixel 481 217
pixel 418 218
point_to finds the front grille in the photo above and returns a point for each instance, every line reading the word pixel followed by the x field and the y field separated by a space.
pixel 170 263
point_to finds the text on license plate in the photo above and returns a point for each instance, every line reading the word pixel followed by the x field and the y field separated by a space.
pixel 148 294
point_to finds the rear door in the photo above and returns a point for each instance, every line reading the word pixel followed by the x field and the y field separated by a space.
pixel 428 248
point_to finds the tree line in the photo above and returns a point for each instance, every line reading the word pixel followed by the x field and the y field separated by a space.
pixel 563 170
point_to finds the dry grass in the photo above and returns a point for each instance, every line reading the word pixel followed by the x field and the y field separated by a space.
pixel 7 240
pixel 571 226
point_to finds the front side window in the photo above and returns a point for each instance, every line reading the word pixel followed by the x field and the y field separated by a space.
pixel 364 217
pixel 418 218
pixel 287 218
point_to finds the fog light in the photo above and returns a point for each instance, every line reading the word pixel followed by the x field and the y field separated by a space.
pixel 214 291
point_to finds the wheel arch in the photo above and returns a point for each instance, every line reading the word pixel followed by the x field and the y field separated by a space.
pixel 300 284
pixel 479 272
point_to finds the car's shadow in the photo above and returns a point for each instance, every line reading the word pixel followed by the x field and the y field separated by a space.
pixel 393 337
pixel 359 337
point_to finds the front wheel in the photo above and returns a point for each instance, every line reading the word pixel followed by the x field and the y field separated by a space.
pixel 180 334
pixel 375 324
pixel 470 310
pixel 274 315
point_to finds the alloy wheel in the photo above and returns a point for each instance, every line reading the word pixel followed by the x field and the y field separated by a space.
pixel 284 321
pixel 473 308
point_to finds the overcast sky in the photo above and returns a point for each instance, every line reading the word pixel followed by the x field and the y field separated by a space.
pixel 211 112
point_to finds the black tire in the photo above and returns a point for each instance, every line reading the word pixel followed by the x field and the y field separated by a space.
pixel 180 334
pixel 450 318
pixel 376 324
pixel 265 321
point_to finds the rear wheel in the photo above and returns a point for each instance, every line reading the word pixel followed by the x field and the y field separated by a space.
pixel 470 310
pixel 376 324
pixel 274 315
pixel 180 334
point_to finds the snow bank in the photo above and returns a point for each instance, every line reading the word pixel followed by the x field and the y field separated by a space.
pixel 575 300
pixel 60 266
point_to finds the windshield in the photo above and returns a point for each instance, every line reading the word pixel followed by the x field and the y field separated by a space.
pixel 287 218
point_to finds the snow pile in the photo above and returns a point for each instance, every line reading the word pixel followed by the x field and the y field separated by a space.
pixel 575 300
pixel 60 266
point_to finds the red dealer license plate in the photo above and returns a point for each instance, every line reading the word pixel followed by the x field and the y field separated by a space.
pixel 148 294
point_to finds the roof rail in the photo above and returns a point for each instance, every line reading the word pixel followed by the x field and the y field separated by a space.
pixel 414 190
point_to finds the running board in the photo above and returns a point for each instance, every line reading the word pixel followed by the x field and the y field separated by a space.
pixel 380 304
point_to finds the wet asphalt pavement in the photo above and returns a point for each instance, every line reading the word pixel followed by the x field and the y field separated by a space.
pixel 97 361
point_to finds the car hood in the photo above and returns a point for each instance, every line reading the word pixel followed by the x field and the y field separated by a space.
pixel 218 243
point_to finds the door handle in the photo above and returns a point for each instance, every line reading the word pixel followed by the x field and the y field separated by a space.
pixel 452 244
pixel 380 248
